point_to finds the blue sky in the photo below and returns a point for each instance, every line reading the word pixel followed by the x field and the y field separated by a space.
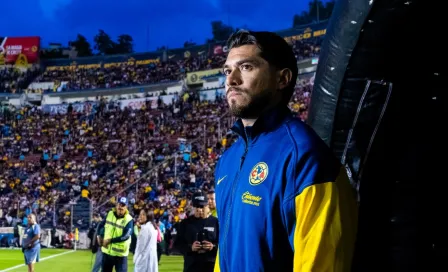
pixel 168 22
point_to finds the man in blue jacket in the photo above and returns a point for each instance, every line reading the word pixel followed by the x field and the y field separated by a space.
pixel 283 199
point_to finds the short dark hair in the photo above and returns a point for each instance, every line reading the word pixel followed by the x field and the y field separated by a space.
pixel 274 49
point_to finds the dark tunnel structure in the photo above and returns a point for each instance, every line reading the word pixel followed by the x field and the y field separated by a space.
pixel 379 101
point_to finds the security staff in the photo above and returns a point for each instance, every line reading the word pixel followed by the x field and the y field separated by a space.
pixel 116 242
pixel 197 237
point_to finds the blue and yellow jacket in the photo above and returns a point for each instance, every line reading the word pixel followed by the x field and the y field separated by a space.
pixel 284 201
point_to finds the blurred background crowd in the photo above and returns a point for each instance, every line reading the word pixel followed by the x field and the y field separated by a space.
pixel 156 155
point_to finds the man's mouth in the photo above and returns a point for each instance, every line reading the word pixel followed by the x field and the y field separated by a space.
pixel 233 93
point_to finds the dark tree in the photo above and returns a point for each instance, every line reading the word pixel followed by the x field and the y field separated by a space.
pixel 104 44
pixel 220 31
pixel 125 44
pixel 317 11
pixel 82 46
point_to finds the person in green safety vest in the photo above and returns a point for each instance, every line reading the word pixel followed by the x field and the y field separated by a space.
pixel 118 227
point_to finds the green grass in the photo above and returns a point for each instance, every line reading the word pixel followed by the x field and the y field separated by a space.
pixel 78 261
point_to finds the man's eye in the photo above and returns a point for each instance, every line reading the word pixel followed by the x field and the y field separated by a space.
pixel 226 72
pixel 246 67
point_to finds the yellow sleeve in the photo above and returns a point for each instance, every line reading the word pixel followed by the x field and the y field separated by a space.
pixel 325 227
pixel 215 213
pixel 217 268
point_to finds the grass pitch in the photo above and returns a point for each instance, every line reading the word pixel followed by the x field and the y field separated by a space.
pixel 61 260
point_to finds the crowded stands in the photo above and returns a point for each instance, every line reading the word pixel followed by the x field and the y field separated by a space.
pixel 305 50
pixel 126 74
pixel 156 156
pixel 302 96
pixel 125 71
pixel 14 80
pixel 48 160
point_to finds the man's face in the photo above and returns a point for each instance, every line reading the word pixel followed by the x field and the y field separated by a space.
pixel 30 219
pixel 142 217
pixel 201 211
pixel 211 201
pixel 121 209
pixel 251 84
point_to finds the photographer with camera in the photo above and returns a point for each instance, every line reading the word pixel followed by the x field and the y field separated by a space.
pixel 197 237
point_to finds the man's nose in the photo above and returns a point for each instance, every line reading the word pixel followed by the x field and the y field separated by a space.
pixel 234 78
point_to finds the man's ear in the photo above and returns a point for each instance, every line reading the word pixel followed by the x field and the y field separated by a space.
pixel 284 78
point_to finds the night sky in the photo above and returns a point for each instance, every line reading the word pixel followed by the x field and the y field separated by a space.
pixel 152 23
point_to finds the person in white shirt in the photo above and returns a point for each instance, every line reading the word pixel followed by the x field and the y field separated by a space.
pixel 145 257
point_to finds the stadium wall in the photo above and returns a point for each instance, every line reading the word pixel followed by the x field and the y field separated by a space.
pixel 46 238
pixel 115 94
pixel 54 105
pixel 15 100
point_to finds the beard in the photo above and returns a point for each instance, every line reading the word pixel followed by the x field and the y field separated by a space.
pixel 253 106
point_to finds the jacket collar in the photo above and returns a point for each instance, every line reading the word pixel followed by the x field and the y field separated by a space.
pixel 266 122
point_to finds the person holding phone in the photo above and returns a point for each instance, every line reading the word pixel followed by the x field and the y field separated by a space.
pixel 197 237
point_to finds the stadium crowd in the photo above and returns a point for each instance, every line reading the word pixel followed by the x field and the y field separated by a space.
pixel 52 159
pixel 49 160
pixel 156 156
pixel 14 80
pixel 127 74
pixel 307 49
pixel 302 96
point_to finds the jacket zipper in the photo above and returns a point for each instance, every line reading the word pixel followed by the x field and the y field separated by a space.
pixel 234 185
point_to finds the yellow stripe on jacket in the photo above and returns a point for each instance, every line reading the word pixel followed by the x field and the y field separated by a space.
pixel 326 225
pixel 217 268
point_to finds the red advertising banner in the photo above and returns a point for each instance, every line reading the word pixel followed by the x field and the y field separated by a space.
pixel 220 49
pixel 19 49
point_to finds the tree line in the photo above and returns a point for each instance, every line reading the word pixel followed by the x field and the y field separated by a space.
pixel 105 45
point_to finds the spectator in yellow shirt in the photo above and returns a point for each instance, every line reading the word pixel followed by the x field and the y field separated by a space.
pixel 85 193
